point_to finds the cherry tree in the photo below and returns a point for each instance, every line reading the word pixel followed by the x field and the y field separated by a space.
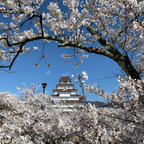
pixel 110 28
pixel 114 29
pixel 38 118
pixel 123 119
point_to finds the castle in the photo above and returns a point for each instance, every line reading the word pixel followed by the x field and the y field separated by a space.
pixel 67 94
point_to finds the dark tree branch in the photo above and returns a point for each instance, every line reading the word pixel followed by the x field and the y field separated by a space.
pixel 122 60
pixel 4 66
pixel 19 51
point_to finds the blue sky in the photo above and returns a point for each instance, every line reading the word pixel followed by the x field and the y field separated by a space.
pixel 100 70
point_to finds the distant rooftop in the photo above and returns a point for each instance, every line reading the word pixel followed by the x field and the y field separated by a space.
pixel 99 103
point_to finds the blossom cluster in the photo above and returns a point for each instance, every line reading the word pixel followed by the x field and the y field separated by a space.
pixel 37 118
pixel 119 22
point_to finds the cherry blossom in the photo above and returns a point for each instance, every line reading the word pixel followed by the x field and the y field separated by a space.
pixel 114 29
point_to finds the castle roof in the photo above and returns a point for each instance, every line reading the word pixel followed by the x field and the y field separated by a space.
pixel 65 78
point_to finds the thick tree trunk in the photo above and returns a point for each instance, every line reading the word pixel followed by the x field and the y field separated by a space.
pixel 124 62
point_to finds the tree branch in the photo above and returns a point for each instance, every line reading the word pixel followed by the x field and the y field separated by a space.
pixel 19 51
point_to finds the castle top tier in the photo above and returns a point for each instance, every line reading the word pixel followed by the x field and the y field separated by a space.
pixel 65 80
